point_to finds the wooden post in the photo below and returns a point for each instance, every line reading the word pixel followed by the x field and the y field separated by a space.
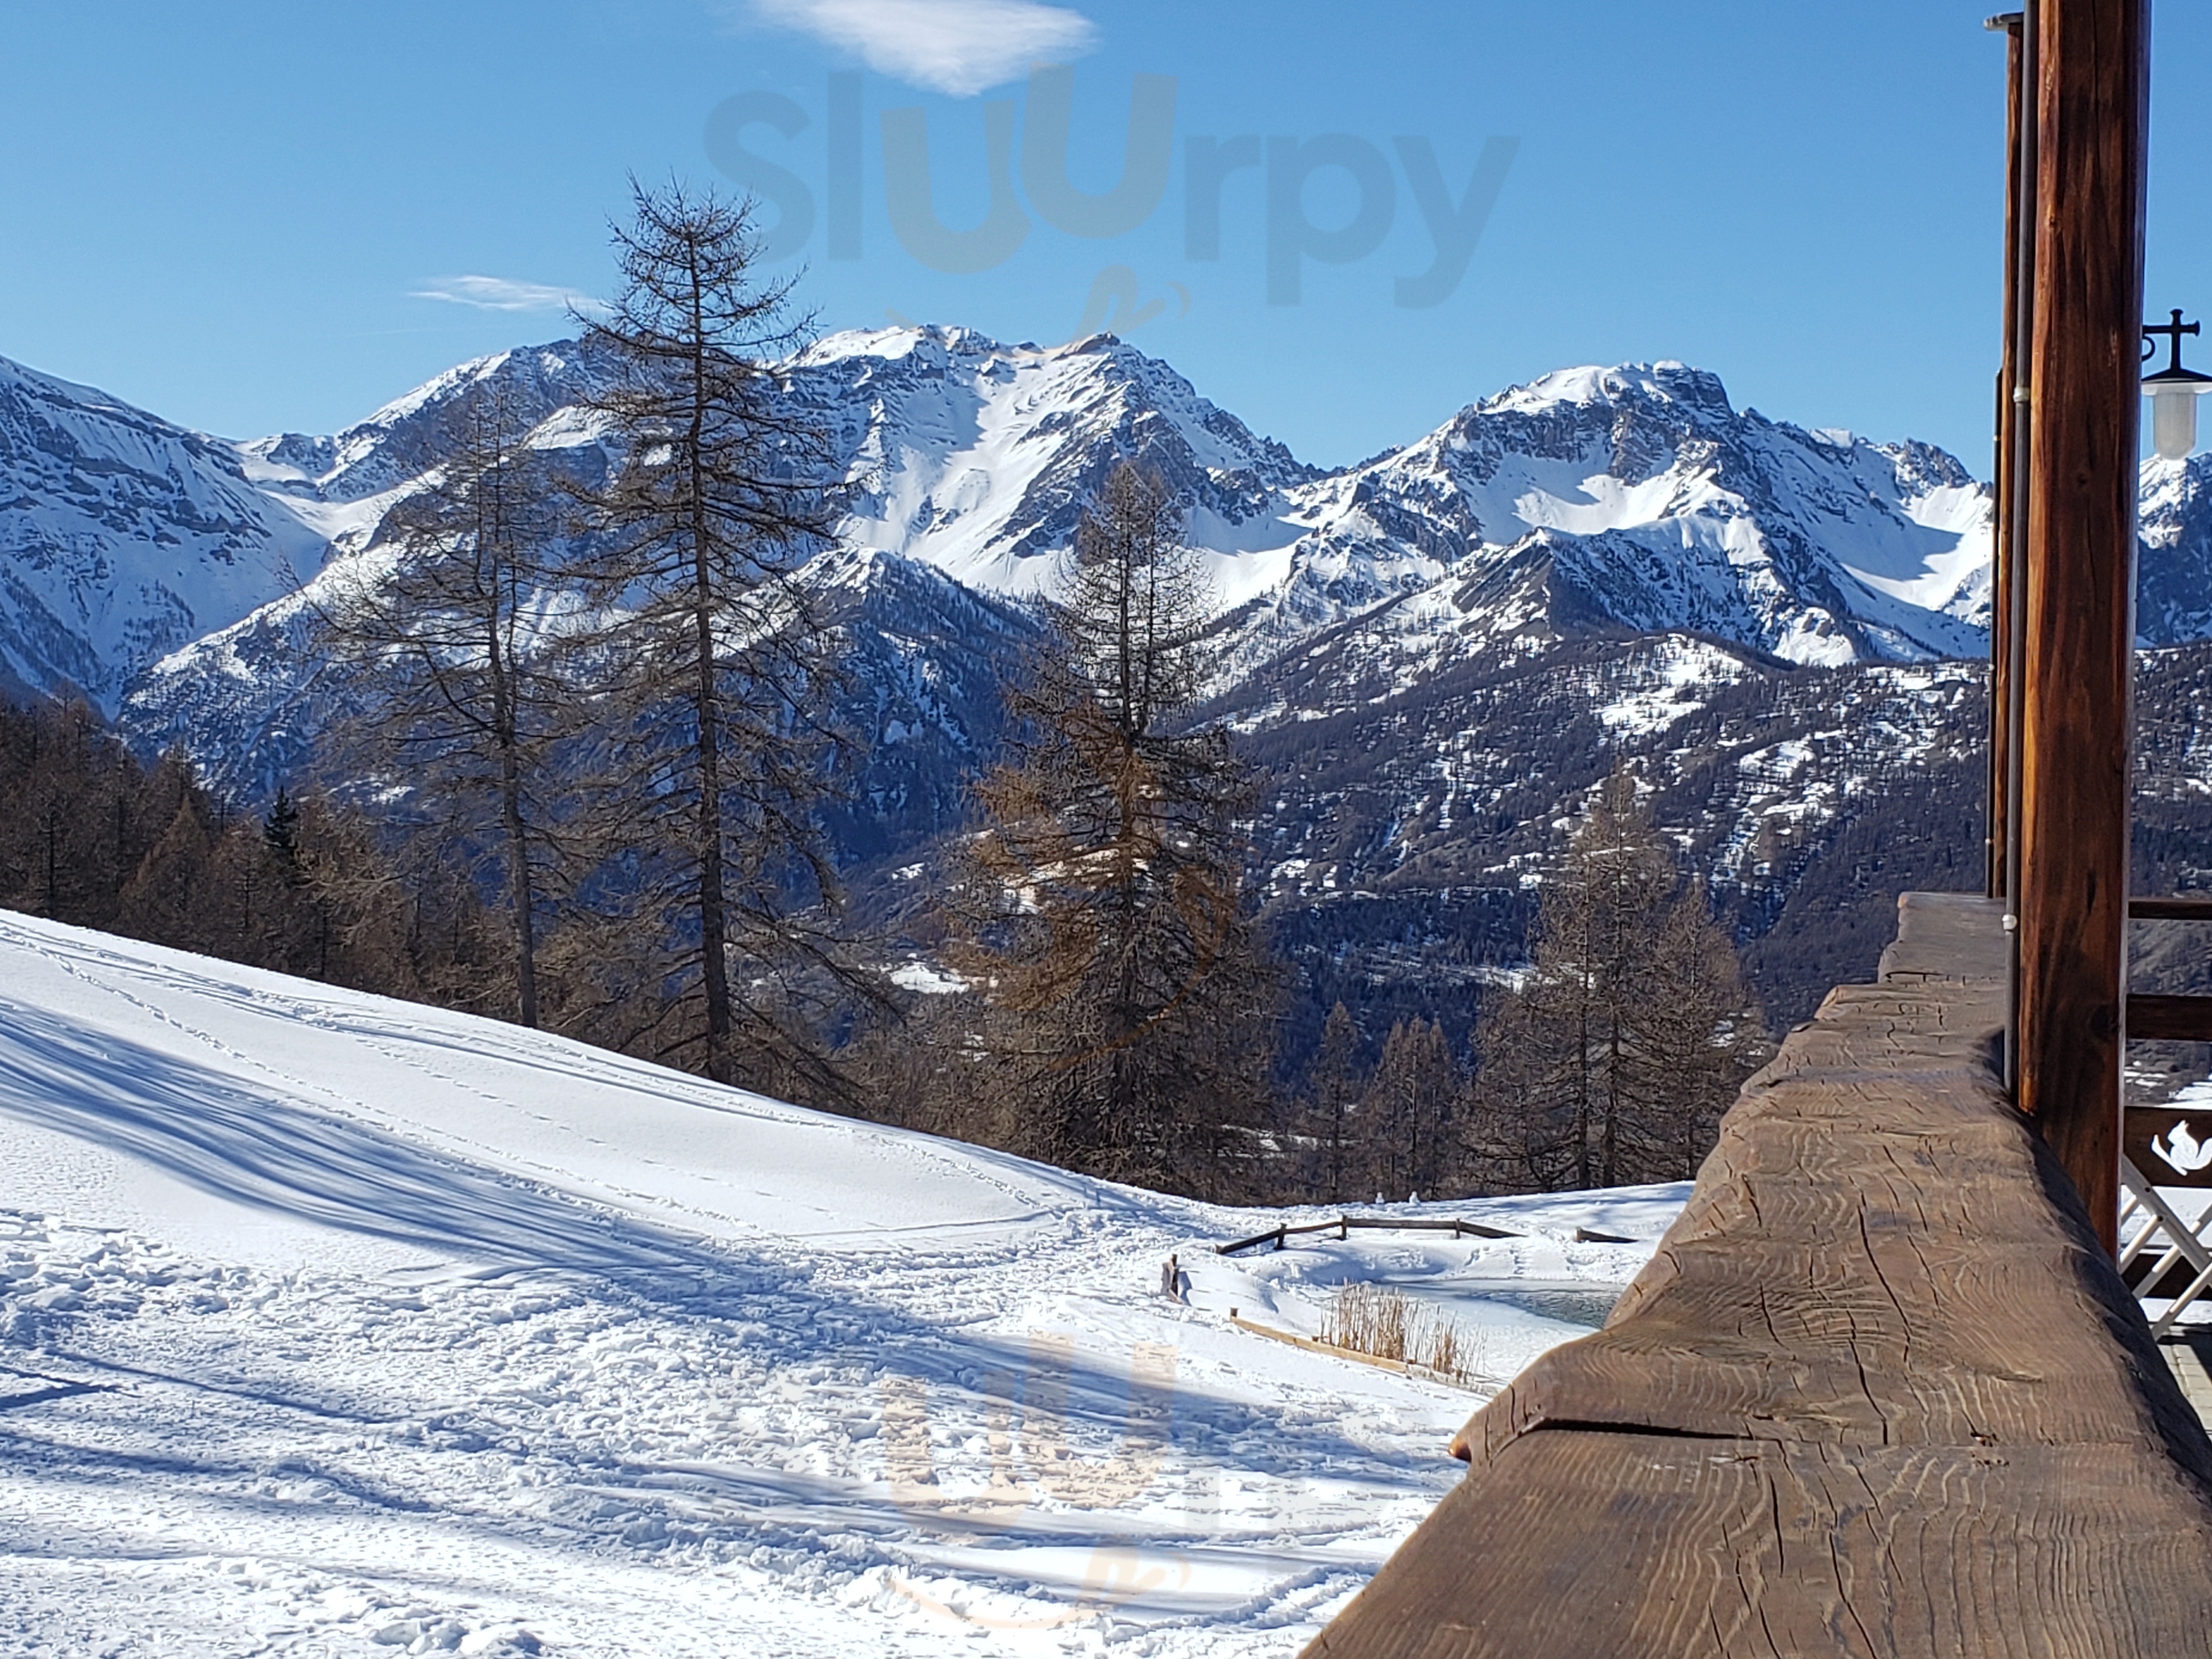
pixel 2025 178
pixel 2085 410
pixel 2000 772
pixel 2004 538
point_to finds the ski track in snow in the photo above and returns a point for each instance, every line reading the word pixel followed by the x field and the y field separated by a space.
pixel 330 1325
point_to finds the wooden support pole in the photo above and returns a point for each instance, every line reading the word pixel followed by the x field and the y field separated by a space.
pixel 2085 410
pixel 2026 182
pixel 2004 538
pixel 2000 557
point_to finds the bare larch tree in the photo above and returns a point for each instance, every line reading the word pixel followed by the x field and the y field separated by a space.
pixel 1334 1082
pixel 708 651
pixel 1404 1127
pixel 440 624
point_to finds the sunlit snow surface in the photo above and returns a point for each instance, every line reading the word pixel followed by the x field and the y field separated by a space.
pixel 331 1325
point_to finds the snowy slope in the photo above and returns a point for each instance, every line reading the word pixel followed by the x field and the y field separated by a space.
pixel 377 1328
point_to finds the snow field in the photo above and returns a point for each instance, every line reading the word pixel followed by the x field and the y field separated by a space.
pixel 333 1326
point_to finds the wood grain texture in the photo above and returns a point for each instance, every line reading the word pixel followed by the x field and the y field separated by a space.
pixel 2174 1019
pixel 1878 1392
pixel 1585 1545
pixel 2080 543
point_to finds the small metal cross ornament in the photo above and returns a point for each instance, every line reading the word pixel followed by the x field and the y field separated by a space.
pixel 2174 330
pixel 2173 392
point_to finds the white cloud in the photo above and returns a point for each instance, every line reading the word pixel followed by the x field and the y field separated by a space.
pixel 959 46
pixel 498 293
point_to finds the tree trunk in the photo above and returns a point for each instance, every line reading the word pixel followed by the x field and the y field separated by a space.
pixel 518 888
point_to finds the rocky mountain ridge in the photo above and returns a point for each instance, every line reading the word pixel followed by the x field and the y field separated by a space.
pixel 1636 496
pixel 1434 652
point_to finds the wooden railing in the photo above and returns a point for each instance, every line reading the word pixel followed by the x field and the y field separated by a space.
pixel 2188 907
pixel 1343 1224
pixel 1882 1393
pixel 2170 1019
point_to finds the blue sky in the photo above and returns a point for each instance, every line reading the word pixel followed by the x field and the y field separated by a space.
pixel 232 213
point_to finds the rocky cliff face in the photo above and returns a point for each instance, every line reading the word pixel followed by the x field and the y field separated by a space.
pixel 122 537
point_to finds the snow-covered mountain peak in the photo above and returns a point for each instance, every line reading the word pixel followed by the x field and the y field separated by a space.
pixel 978 458
pixel 409 435
pixel 454 383
pixel 1621 384
pixel 2173 587
pixel 2167 486
pixel 1631 496
pixel 38 383
pixel 1638 496
pixel 936 344
pixel 122 537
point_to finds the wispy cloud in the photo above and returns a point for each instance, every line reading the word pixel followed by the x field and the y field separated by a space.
pixel 959 47
pixel 498 293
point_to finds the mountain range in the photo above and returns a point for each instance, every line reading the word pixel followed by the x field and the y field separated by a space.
pixel 1433 650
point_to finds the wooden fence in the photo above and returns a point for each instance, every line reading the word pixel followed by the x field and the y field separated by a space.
pixel 1457 1226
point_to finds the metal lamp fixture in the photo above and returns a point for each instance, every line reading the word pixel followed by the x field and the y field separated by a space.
pixel 2173 392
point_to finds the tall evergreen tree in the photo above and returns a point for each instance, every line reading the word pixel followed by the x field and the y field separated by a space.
pixel 1613 1062
pixel 280 833
pixel 1335 1083
pixel 1405 1126
pixel 1131 1010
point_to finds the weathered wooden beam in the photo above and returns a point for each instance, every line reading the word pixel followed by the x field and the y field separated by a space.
pixel 2170 1019
pixel 2085 398
pixel 1598 1544
pixel 1879 1395
pixel 2181 908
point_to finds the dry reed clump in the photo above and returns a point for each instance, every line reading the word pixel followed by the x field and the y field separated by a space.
pixel 1388 1324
